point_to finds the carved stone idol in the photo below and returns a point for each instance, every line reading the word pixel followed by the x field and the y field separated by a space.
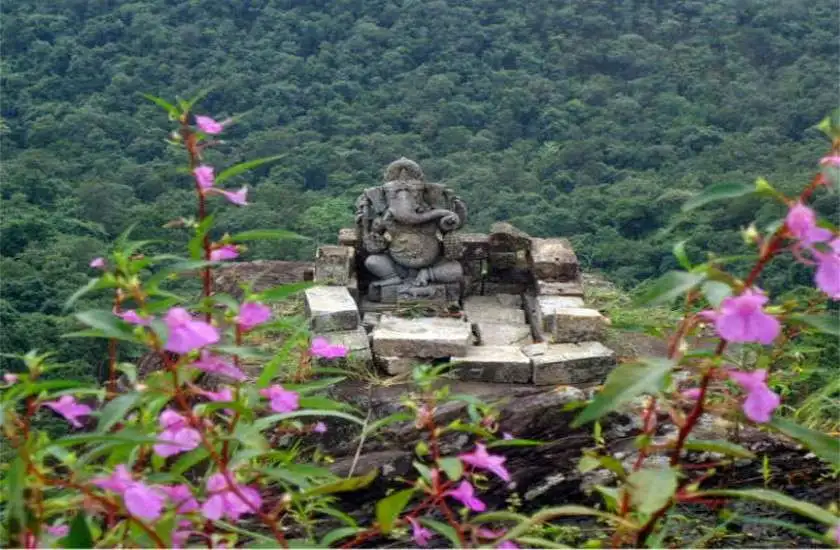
pixel 403 225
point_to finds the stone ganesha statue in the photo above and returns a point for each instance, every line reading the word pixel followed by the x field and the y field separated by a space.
pixel 403 225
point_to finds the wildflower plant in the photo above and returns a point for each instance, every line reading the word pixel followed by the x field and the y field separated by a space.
pixel 171 463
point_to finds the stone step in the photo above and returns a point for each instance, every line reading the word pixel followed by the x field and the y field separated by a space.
pixel 426 337
pixel 356 342
pixel 331 309
pixel 581 363
pixel 564 319
pixel 502 364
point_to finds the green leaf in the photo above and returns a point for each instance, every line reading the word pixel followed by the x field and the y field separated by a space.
pixel 272 367
pixel 283 291
pixel 651 489
pixel 822 445
pixel 115 411
pixel 718 192
pixel 452 467
pixel 337 534
pixel 196 243
pixel 536 542
pixel 623 385
pixel 802 508
pixel 196 98
pixel 390 507
pixel 514 443
pixel 715 292
pixel 170 109
pixel 668 287
pixel 79 535
pixel 268 421
pixel 106 323
pixel 345 485
pixel 718 446
pixel 267 235
pixel 237 169
pixel 828 324
pixel 681 256
pixel 189 460
pixel 93 284
pixel 444 529
pixel 15 481
pixel 548 514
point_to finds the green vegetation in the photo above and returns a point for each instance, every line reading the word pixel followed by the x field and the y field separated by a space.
pixel 593 120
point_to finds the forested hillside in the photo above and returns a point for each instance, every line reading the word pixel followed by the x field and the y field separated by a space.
pixel 593 120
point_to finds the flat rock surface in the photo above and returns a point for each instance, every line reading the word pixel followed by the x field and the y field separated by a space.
pixel 558 288
pixel 503 308
pixel 504 364
pixel 430 337
pixel 331 309
pixel 583 363
pixel 554 260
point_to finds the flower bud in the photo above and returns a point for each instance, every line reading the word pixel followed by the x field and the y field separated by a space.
pixel 751 235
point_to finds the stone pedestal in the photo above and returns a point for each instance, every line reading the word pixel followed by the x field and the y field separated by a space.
pixel 553 260
pixel 335 265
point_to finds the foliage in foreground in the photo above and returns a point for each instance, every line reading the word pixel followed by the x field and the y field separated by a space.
pixel 173 463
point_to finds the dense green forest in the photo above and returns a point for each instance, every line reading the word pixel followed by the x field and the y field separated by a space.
pixel 593 120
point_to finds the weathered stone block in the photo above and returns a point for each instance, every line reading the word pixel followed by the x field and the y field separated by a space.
pixel 331 309
pixel 557 288
pixel 583 363
pixel 334 265
pixel 554 260
pixel 505 364
pixel 348 236
pixel 475 245
pixel 493 287
pixel 504 236
pixel 504 334
pixel 397 365
pixel 549 304
pixel 356 342
pixel 571 324
pixel 428 337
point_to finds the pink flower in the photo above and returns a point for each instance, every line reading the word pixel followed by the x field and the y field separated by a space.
pixel 691 393
pixel 216 365
pixel 835 534
pixel 225 252
pixel 831 160
pixel 67 407
pixel 140 500
pixel 761 401
pixel 177 435
pixel 187 334
pixel 131 317
pixel 117 482
pixel 204 177
pixel 323 349
pixel 208 125
pixel 181 534
pixel 466 495
pixel 57 530
pixel 10 378
pixel 224 501
pixel 507 436
pixel 252 314
pixel 487 533
pixel 143 501
pixel 97 263
pixel 742 319
pixel 802 224
pixel 181 496
pixel 225 395
pixel 237 197
pixel 507 544
pixel 480 458
pixel 827 275
pixel 282 400
pixel 319 428
pixel 420 534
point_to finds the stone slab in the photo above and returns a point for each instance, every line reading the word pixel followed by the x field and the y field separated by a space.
pixel 331 309
pixel 334 265
pixel 355 341
pixel 494 309
pixel 504 334
pixel 554 260
pixel 427 337
pixel 475 245
pixel 503 364
pixel 557 288
pixel 583 363
pixel 549 304
pixel 560 319
pixel 397 365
